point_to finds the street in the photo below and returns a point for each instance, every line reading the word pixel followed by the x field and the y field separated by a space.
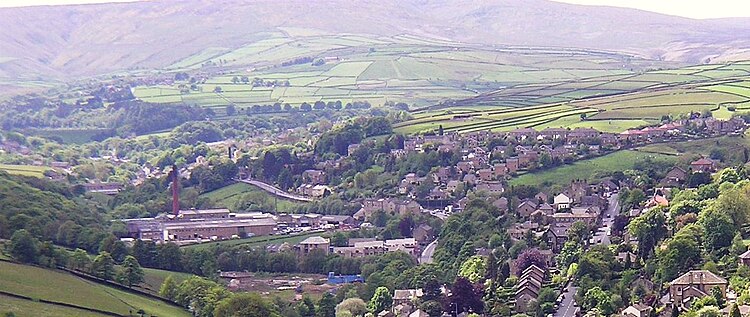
pixel 567 306
pixel 427 253
pixel 601 236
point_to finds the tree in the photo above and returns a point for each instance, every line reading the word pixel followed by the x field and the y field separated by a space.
pixel 132 271
pixel 381 301
pixel 169 257
pixel 465 297
pixel 231 110
pixel 168 288
pixel 599 299
pixel 717 294
pixel 306 308
pixel 24 247
pixel 326 306
pixel 356 306
pixel 649 228
pixel 735 311
pixel 473 269
pixel 432 308
pixel 529 257
pixel 80 260
pixel 718 229
pixel 103 266
pixel 217 89
pixel 579 232
pixel 245 305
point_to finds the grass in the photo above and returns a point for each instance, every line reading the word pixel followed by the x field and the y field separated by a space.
pixel 257 241
pixel 26 308
pixel 227 197
pixel 53 285
pixel 413 70
pixel 25 170
pixel 153 278
pixel 69 136
pixel 590 169
pixel 732 148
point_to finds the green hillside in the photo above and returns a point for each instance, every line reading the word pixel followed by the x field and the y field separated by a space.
pixel 227 197
pixel 607 103
pixel 398 69
pixel 58 286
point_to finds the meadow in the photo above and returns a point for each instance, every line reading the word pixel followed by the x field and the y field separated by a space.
pixel 591 169
pixel 227 197
pixel 25 170
pixel 39 283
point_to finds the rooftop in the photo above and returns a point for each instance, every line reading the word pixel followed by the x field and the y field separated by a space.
pixel 315 240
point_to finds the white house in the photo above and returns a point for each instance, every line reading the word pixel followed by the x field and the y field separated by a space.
pixel 562 201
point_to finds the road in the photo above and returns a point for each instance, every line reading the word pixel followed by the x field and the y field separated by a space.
pixel 275 191
pixel 567 306
pixel 439 214
pixel 429 250
pixel 602 235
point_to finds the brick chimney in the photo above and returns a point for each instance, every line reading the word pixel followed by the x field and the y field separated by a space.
pixel 175 191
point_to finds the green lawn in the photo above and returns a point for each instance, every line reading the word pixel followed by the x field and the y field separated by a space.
pixel 67 288
pixel 587 169
pixel 228 196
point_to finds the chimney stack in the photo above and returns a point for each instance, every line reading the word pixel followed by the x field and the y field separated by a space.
pixel 175 191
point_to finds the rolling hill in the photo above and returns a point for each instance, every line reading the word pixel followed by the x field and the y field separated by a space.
pixel 98 39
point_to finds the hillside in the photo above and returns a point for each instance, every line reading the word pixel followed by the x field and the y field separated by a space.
pixel 97 39
pixel 56 286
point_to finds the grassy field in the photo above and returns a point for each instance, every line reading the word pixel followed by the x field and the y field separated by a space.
pixel 24 170
pixel 62 287
pixel 26 308
pixel 733 153
pixel 68 136
pixel 257 241
pixel 153 278
pixel 733 148
pixel 228 196
pixel 587 169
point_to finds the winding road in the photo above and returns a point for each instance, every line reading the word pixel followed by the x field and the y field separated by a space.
pixel 429 250
pixel 275 191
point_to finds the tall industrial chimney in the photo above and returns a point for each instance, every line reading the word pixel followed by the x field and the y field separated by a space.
pixel 175 191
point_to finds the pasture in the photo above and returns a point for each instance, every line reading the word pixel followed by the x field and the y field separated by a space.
pixel 56 286
pixel 591 169
pixel 227 197
pixel 25 170
pixel 27 308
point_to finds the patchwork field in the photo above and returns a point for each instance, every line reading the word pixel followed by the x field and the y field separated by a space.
pixel 641 100
pixel 399 69
pixel 57 286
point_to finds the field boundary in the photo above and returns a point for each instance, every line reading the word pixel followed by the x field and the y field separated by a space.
pixel 45 301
